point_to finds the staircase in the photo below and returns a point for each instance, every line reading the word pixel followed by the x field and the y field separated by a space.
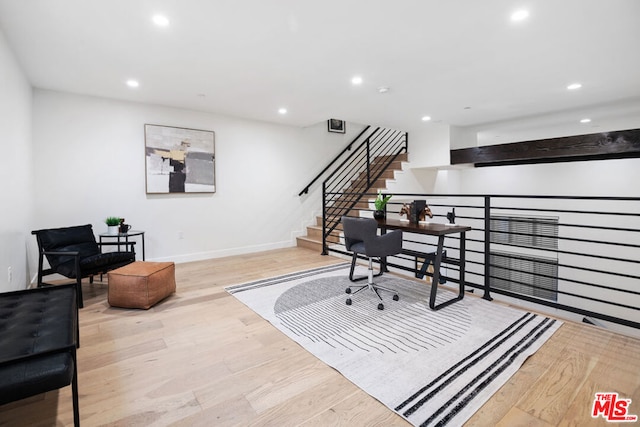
pixel 386 166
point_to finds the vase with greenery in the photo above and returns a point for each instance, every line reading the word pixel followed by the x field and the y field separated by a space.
pixel 113 224
pixel 380 204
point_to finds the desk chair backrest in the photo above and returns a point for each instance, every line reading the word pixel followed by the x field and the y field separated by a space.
pixel 358 231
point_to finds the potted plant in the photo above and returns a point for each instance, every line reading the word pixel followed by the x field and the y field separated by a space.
pixel 113 224
pixel 380 204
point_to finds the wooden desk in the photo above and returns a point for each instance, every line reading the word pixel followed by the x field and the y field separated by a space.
pixel 439 230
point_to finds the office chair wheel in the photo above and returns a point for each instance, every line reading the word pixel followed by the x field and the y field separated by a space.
pixel 396 297
pixel 380 306
pixel 348 301
pixel 348 290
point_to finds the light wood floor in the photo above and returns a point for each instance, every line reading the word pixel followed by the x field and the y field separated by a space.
pixel 201 358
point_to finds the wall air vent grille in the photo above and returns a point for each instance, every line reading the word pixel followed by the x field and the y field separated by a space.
pixel 526 232
pixel 524 274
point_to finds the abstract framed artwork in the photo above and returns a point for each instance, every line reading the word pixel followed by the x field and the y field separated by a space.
pixel 336 125
pixel 179 160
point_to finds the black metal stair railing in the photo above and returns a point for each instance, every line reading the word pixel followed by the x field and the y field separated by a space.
pixel 349 182
pixel 340 155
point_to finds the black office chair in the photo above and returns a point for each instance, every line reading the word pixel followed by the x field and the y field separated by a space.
pixel 74 253
pixel 361 237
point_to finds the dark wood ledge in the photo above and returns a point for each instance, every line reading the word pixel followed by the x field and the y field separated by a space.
pixel 595 146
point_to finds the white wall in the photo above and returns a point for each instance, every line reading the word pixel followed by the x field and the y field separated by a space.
pixel 621 115
pixel 328 144
pixel 16 169
pixel 591 178
pixel 89 164
pixel 429 145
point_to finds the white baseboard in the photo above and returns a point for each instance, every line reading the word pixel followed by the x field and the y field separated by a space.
pixel 200 256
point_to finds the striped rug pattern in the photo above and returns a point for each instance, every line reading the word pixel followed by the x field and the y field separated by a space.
pixel 432 368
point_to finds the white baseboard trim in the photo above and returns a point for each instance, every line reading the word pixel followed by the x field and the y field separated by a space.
pixel 200 256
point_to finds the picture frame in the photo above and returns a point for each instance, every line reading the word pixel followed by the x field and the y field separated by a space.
pixel 179 160
pixel 336 126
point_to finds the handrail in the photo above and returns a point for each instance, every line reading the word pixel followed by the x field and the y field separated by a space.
pixel 347 148
pixel 357 174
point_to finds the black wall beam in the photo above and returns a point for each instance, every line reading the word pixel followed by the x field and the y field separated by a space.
pixel 596 146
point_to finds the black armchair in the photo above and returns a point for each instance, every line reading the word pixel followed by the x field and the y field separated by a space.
pixel 74 253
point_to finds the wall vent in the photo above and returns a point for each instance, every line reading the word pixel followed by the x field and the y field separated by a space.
pixel 526 232
pixel 525 274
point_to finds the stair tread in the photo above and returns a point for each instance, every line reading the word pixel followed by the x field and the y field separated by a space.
pixel 308 239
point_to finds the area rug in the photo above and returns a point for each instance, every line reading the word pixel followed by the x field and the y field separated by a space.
pixel 431 367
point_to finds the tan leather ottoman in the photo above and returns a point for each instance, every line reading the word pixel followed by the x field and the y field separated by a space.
pixel 141 284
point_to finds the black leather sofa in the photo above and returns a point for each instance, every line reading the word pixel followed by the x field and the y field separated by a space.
pixel 38 339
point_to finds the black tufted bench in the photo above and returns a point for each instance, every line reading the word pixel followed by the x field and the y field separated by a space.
pixel 38 341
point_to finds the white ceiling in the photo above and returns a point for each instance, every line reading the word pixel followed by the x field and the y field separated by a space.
pixel 462 62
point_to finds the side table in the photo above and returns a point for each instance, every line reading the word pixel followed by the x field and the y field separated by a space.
pixel 125 236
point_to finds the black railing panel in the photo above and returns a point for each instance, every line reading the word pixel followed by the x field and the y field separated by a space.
pixel 580 255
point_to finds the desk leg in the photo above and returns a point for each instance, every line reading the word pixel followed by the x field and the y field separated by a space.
pixel 383 260
pixel 435 280
pixel 436 275
pixel 143 257
pixel 463 251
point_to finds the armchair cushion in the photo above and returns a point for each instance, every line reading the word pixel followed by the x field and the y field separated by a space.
pixel 95 264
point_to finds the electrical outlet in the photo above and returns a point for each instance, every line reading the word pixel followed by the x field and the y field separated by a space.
pixel 180 235
pixel 9 275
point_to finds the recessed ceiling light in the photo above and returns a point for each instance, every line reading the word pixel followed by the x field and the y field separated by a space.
pixel 585 120
pixel 519 15
pixel 426 118
pixel 282 111
pixel 356 80
pixel 160 20
pixel 132 83
pixel 574 86
pixel 383 89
